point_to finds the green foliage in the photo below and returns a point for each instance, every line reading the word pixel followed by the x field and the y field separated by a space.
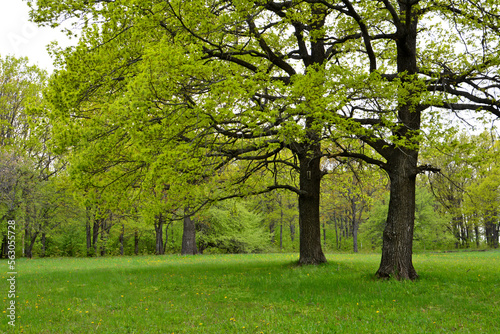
pixel 229 226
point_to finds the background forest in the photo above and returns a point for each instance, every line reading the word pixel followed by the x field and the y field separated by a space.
pixel 118 154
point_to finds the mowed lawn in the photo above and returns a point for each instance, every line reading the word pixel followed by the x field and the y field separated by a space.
pixel 263 293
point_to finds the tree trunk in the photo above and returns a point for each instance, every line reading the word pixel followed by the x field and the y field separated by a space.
pixel 188 235
pixel 355 225
pixel 309 198
pixel 402 163
pixel 355 236
pixel 88 231
pixel 476 232
pixel 397 245
pixel 336 232
pixel 159 221
pixel 136 242
pixel 281 226
pixel 29 248
pixel 122 237
pixel 4 247
pixel 104 238
pixel 95 233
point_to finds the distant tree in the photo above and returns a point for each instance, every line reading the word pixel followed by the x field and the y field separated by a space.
pixel 230 227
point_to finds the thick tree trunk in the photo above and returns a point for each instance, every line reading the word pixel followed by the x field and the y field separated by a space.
pixel 397 245
pixel 188 235
pixel 309 197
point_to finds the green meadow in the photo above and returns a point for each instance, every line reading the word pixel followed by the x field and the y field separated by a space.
pixel 261 293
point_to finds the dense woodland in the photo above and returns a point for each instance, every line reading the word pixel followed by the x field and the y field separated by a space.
pixel 256 126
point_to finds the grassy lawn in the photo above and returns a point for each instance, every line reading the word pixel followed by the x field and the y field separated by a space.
pixel 265 293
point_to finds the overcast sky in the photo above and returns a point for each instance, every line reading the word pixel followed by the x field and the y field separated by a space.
pixel 21 38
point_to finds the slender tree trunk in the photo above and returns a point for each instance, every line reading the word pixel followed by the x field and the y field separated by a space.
pixel 476 232
pixel 292 231
pixel 159 221
pixel 355 237
pixel 104 238
pixel 88 232
pixel 3 254
pixel 136 242
pixel 122 237
pixel 95 233
pixel 496 235
pixel 188 235
pixel 281 226
pixel 25 238
pixel 336 233
pixel 355 226
pixel 309 198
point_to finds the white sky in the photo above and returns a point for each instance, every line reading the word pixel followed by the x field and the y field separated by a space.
pixel 21 38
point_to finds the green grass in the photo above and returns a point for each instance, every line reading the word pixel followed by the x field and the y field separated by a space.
pixel 456 292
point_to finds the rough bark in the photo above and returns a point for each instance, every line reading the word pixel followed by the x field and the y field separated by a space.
pixel 402 163
pixel 398 233
pixel 309 198
pixel 188 235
